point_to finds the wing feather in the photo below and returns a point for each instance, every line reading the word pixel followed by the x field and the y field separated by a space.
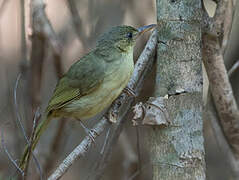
pixel 82 78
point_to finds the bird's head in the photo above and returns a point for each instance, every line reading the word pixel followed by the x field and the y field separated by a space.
pixel 122 37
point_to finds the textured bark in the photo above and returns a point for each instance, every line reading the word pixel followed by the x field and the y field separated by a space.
pixel 221 90
pixel 177 150
pixel 214 40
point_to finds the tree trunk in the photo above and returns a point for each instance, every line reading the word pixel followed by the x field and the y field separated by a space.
pixel 177 150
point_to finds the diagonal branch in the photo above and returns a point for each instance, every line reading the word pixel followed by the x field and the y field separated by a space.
pixel 142 63
pixel 213 49
pixel 35 122
pixel 19 123
pixel 9 155
pixel 77 23
pixel 210 113
pixel 42 26
pixel 233 69
pixel 80 150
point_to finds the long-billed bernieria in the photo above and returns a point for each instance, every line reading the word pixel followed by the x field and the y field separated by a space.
pixel 94 82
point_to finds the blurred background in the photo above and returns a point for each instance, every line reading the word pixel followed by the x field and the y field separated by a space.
pixel 96 17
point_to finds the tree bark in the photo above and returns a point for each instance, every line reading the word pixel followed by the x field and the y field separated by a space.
pixel 176 149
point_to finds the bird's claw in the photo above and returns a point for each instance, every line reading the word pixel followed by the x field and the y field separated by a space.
pixel 129 91
pixel 92 134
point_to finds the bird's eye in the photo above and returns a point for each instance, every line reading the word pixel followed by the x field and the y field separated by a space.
pixel 129 35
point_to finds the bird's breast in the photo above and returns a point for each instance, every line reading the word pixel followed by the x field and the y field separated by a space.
pixel 117 76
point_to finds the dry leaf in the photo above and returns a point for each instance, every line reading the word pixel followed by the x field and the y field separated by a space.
pixel 153 112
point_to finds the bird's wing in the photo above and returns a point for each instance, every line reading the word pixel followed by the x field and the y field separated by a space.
pixel 82 78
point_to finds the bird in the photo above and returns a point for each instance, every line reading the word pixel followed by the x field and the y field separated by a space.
pixel 93 82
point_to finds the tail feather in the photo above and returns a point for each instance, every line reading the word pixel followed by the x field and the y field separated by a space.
pixel 39 130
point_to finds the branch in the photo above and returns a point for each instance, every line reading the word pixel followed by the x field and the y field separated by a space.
pixel 83 147
pixel 77 23
pixel 210 113
pixel 19 122
pixel 233 68
pixel 9 155
pixel 80 150
pixel 18 119
pixel 24 61
pixel 35 122
pixel 42 26
pixel 219 83
pixel 227 25
pixel 2 6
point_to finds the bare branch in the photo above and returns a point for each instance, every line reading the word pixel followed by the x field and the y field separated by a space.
pixel 77 22
pixel 18 119
pixel 58 65
pixel 210 113
pixel 227 25
pixel 42 25
pixel 19 122
pixel 79 151
pixel 35 122
pixel 233 68
pixel 42 32
pixel 9 156
pixel 2 6
pixel 138 149
pixel 220 86
pixel 23 62
pixel 136 79
pixel 221 90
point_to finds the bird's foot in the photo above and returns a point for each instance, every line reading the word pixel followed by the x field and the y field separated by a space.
pixel 91 133
pixel 129 91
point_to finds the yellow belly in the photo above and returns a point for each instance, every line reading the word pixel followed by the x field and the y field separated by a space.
pixel 111 87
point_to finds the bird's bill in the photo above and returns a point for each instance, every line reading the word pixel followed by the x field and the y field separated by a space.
pixel 144 29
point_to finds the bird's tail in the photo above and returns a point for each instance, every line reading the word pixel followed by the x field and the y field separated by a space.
pixel 39 130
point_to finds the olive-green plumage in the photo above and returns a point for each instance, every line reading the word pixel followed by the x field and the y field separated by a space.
pixel 94 82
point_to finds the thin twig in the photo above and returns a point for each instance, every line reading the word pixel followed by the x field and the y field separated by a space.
pixel 105 141
pixel 35 122
pixel 77 23
pixel 138 149
pixel 214 40
pixel 24 61
pixel 210 113
pixel 83 147
pixel 138 171
pixel 55 146
pixel 19 122
pixel 227 25
pixel 233 68
pixel 2 6
pixel 18 119
pixel 9 156
pixel 80 150
pixel 42 32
